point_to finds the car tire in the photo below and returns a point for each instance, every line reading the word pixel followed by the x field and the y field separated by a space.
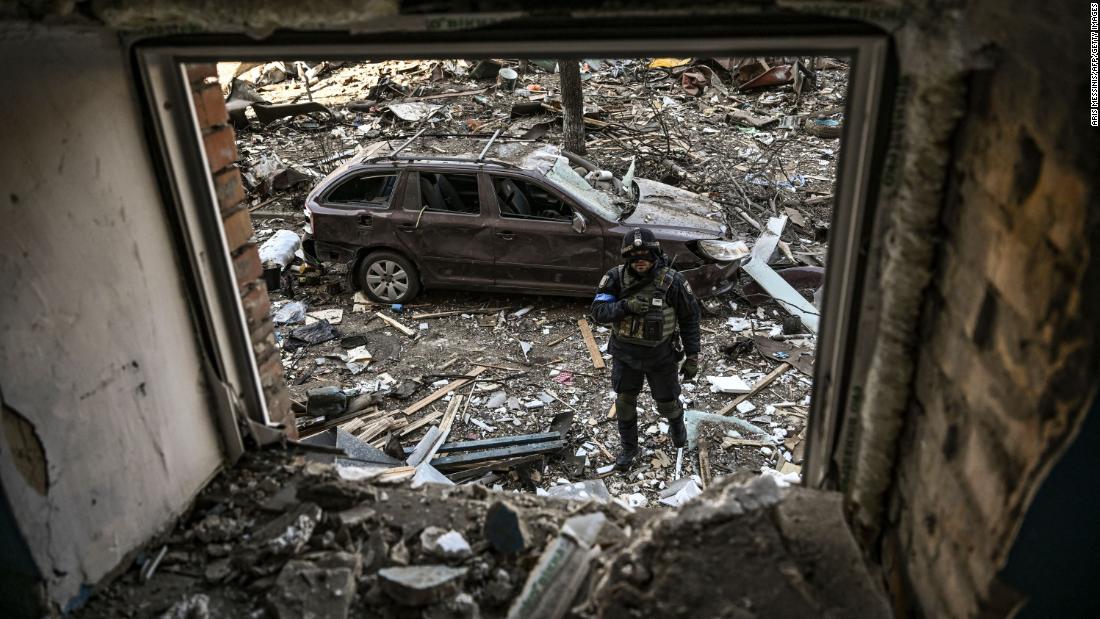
pixel 386 277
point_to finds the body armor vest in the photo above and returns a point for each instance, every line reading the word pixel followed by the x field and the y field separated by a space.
pixel 656 325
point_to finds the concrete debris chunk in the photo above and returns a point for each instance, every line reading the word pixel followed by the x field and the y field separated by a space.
pixel 444 544
pixel 587 490
pixel 505 528
pixel 326 401
pixel 356 515
pixel 497 399
pixel 289 532
pixel 215 528
pixel 195 606
pixel 685 492
pixel 304 589
pixel 419 585
pixel 428 474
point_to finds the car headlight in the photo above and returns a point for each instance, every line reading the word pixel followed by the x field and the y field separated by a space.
pixel 723 251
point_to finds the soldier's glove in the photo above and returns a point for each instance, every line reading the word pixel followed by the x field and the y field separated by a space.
pixel 690 368
pixel 637 305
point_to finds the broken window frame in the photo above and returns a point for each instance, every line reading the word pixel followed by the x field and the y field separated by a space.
pixel 382 202
pixel 566 202
pixel 847 333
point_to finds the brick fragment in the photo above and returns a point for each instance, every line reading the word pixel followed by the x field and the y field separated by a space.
pixel 256 305
pixel 210 106
pixel 221 149
pixel 229 188
pixel 238 229
pixel 246 265
pixel 198 73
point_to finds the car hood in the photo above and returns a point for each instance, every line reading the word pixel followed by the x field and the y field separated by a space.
pixel 664 205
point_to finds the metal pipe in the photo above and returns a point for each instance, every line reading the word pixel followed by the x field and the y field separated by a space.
pixel 407 142
pixel 489 144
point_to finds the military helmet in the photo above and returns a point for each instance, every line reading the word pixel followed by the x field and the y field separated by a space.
pixel 640 239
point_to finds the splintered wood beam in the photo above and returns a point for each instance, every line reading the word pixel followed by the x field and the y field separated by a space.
pixel 445 427
pixel 590 342
pixel 603 450
pixel 317 428
pixel 760 384
pixel 396 325
pixel 497 454
pixel 704 463
pixel 462 475
pixel 444 390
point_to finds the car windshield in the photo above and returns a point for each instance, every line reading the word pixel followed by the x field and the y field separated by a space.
pixel 566 178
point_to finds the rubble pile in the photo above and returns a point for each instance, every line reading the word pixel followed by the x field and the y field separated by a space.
pixel 745 132
pixel 279 536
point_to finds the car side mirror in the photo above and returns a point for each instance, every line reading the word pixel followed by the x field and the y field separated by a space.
pixel 579 224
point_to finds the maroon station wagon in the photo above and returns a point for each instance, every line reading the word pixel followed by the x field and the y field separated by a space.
pixel 521 220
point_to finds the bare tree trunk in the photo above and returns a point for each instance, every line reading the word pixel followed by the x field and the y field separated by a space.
pixel 572 104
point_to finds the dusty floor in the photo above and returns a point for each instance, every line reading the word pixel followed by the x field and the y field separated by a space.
pixel 703 143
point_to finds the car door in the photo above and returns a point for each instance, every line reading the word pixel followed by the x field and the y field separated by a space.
pixel 535 246
pixel 445 230
pixel 356 210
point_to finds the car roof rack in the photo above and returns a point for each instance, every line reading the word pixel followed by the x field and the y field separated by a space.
pixel 397 156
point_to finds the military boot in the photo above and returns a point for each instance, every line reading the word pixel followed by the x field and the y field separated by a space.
pixel 628 436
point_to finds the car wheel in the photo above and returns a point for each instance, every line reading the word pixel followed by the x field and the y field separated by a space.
pixel 388 278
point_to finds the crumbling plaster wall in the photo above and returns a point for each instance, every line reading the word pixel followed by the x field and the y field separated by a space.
pixel 107 433
pixel 1006 347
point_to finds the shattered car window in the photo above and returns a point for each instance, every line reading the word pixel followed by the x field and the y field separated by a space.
pixel 364 189
pixel 564 177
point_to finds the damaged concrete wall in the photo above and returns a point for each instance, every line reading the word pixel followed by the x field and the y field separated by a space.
pixel 1007 359
pixel 106 429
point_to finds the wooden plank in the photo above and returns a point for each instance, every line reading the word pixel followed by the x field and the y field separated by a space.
pixel 557 341
pixel 445 427
pixel 396 474
pixel 564 403
pixel 497 454
pixel 444 390
pixel 757 386
pixel 317 428
pixel 497 465
pixel 704 463
pixel 396 325
pixel 603 450
pixel 382 425
pixel 590 342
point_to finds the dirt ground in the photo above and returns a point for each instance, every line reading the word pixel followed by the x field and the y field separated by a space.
pixel 706 143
